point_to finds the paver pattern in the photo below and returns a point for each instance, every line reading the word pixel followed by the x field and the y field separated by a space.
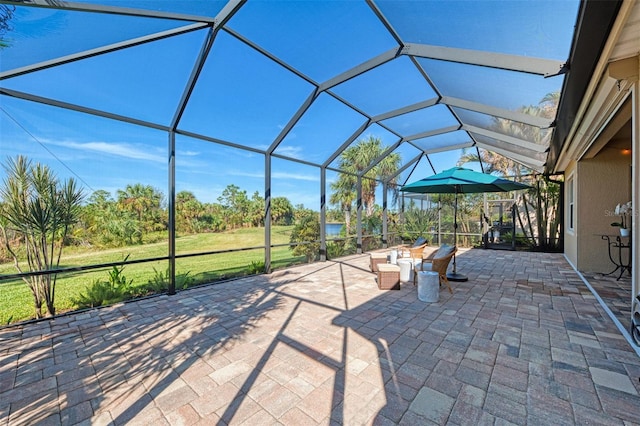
pixel 615 293
pixel 522 342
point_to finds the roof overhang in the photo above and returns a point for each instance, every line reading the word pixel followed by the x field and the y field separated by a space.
pixel 595 22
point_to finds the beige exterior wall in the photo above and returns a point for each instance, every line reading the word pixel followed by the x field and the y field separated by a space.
pixel 601 183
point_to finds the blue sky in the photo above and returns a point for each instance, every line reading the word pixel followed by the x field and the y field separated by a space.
pixel 244 98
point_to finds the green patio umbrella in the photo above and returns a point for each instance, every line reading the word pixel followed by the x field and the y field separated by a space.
pixel 456 181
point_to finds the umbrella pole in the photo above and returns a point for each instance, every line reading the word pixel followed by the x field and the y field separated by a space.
pixel 455 229
pixel 454 275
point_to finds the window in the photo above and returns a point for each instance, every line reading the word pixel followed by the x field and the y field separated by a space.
pixel 570 204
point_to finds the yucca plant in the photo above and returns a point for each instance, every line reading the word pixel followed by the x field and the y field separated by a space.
pixel 37 211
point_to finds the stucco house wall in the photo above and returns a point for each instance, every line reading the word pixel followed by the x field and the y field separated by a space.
pixel 601 183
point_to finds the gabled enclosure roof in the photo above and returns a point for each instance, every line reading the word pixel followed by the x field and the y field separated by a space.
pixel 303 80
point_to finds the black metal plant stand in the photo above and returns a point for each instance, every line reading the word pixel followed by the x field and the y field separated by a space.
pixel 619 245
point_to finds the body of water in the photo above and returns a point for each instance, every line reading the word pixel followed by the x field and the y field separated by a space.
pixel 332 229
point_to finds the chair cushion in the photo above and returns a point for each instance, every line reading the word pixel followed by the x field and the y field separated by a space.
pixel 420 241
pixel 444 251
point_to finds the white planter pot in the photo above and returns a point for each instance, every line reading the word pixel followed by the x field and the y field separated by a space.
pixel 406 265
pixel 393 257
pixel 428 286
pixel 624 232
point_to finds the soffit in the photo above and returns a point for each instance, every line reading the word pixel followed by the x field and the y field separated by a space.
pixel 628 43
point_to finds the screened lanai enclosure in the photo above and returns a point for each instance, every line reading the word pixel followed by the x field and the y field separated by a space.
pixel 182 121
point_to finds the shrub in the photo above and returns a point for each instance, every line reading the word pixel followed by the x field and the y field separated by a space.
pixel 335 249
pixel 306 234
pixel 159 283
pixel 256 267
pixel 100 293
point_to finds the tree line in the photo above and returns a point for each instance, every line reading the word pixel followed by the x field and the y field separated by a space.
pixel 139 211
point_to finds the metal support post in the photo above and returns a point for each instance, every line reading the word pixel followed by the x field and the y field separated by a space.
pixel 171 207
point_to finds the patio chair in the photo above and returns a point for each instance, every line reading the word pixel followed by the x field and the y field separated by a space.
pixel 439 260
pixel 414 250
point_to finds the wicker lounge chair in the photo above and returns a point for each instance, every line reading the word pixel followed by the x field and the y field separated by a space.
pixel 414 250
pixel 439 260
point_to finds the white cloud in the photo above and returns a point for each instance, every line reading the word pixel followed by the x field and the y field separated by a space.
pixel 246 174
pixel 278 175
pixel 117 149
pixel 296 176
pixel 290 151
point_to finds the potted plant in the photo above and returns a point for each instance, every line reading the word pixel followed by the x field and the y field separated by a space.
pixel 622 210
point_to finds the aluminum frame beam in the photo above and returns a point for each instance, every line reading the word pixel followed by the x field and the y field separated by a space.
pixel 531 120
pixel 377 160
pixel 74 107
pixel 323 214
pixel 346 143
pixel 171 184
pixel 101 50
pixel 525 64
pixel 518 158
pixel 293 120
pixel 385 22
pixel 406 166
pixel 449 147
pixel 372 63
pixel 433 132
pixel 269 55
pixel 517 142
pixel 405 110
pixel 193 78
pixel 115 10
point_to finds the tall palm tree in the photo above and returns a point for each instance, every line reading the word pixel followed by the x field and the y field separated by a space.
pixel 354 160
pixel 343 196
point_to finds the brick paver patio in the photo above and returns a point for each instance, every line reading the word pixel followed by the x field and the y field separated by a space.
pixel 522 342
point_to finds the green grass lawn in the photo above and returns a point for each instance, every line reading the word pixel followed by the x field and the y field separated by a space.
pixel 16 301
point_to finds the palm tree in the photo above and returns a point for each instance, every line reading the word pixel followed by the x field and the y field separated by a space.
pixel 549 104
pixel 281 211
pixel 354 160
pixel 343 196
pixel 6 15
pixel 188 210
pixel 144 201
